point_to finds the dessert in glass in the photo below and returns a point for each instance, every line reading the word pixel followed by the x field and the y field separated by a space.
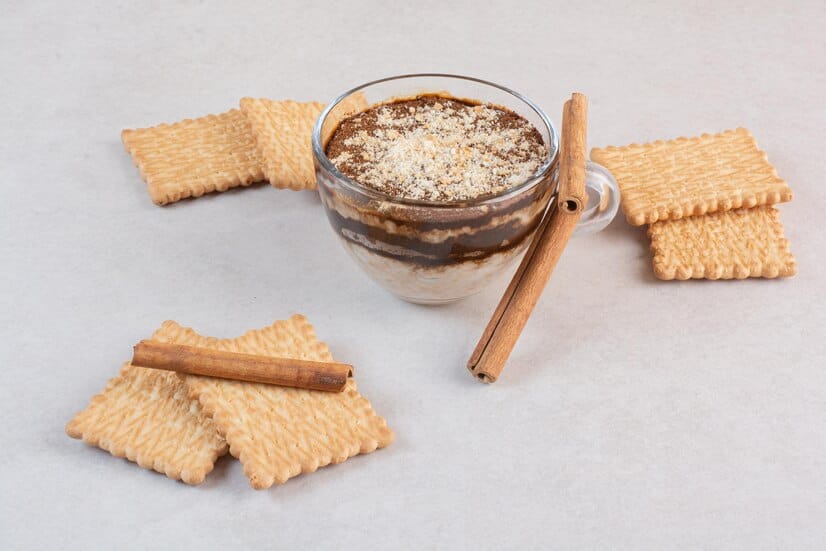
pixel 436 183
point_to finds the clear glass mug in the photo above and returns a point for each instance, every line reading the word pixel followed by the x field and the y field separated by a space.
pixel 437 252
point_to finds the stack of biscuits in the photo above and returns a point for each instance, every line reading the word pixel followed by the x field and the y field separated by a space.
pixel 180 424
pixel 263 140
pixel 708 202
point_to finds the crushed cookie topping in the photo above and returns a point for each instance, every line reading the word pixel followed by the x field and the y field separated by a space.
pixel 437 149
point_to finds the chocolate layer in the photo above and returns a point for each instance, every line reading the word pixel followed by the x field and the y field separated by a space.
pixel 473 246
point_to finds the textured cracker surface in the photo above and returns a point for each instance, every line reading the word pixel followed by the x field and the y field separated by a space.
pixel 283 131
pixel 725 245
pixel 195 156
pixel 147 416
pixel 668 180
pixel 279 432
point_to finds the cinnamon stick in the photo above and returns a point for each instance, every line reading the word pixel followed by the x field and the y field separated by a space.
pixel 515 307
pixel 328 376
pixel 571 195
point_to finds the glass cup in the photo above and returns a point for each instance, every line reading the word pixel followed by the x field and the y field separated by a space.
pixel 434 252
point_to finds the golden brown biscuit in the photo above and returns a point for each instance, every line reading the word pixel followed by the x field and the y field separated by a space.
pixel 195 156
pixel 280 432
pixel 283 132
pixel 724 245
pixel 147 416
pixel 668 180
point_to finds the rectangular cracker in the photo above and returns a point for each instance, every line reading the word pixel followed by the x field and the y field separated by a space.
pixel 147 416
pixel 725 245
pixel 668 180
pixel 280 432
pixel 195 156
pixel 283 132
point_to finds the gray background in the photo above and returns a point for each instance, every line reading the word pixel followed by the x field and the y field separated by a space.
pixel 633 413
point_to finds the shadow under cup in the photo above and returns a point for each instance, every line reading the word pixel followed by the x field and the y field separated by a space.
pixel 423 251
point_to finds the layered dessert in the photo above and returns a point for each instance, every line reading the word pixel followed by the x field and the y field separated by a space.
pixel 438 194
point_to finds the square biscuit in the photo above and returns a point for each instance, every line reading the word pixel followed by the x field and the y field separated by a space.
pixel 669 180
pixel 724 245
pixel 195 156
pixel 280 432
pixel 147 416
pixel 283 133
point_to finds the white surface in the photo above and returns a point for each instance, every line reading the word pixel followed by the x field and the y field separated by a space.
pixel 652 415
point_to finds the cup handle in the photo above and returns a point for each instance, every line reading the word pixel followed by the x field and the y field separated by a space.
pixel 603 199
